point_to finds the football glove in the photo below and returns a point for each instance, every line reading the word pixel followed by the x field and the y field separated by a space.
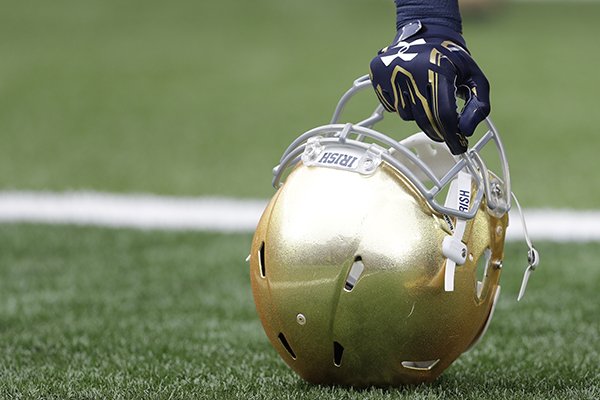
pixel 420 77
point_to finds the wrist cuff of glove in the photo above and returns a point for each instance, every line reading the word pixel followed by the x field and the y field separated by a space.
pixel 431 30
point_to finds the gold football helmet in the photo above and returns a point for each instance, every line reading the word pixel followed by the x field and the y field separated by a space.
pixel 377 262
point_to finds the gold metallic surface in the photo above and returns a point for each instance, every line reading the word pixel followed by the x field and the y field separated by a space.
pixel 311 234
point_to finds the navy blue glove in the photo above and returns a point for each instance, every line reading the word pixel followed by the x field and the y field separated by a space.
pixel 420 75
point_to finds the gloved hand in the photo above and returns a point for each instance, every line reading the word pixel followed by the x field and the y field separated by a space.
pixel 420 76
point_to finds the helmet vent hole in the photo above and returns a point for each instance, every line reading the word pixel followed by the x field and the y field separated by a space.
pixel 261 260
pixel 338 352
pixel 420 365
pixel 286 345
pixel 482 271
pixel 354 274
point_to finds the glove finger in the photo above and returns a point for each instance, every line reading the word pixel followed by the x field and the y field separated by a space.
pixel 404 100
pixel 477 107
pixel 439 118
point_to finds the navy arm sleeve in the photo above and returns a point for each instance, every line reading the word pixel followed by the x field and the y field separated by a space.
pixel 435 12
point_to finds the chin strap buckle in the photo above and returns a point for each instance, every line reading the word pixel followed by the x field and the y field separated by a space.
pixel 533 260
pixel 533 256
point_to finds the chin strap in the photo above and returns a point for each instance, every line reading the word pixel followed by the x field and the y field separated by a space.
pixel 533 257
pixel 453 248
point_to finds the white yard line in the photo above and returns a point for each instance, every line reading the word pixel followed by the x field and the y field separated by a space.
pixel 131 211
pixel 230 215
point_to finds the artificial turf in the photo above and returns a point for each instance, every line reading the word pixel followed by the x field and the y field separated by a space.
pixel 120 314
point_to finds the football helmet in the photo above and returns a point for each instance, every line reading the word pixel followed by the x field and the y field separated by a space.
pixel 377 262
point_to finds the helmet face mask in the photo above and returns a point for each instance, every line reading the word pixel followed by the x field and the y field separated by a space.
pixel 360 275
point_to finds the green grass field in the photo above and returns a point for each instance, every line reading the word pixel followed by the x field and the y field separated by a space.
pixel 98 313
pixel 200 98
